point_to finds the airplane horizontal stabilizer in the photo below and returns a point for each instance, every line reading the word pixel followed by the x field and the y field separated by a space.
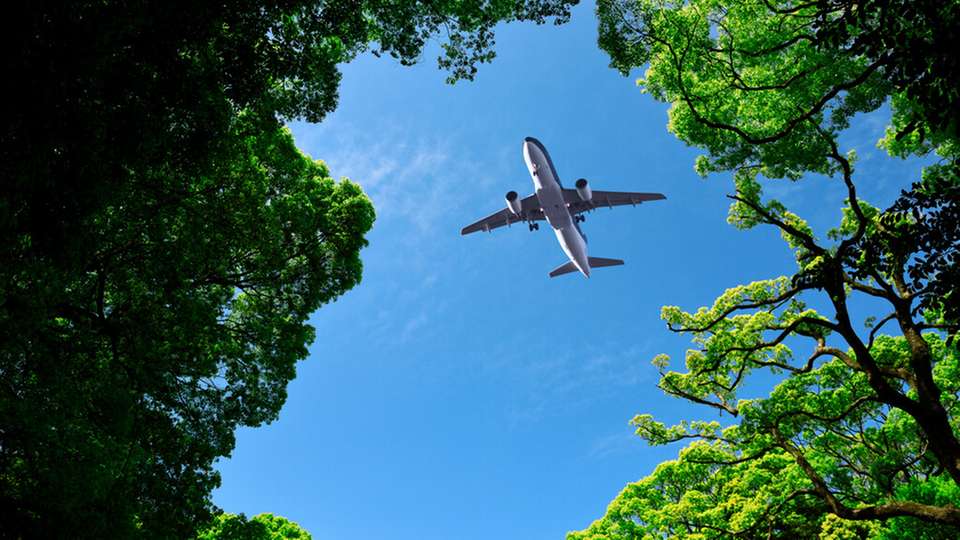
pixel 563 269
pixel 595 262
pixel 599 262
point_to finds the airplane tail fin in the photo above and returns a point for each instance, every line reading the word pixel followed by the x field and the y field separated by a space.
pixel 595 262
pixel 600 262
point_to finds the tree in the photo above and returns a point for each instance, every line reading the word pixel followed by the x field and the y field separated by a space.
pixel 741 482
pixel 259 527
pixel 859 438
pixel 126 380
pixel 162 240
pixel 109 90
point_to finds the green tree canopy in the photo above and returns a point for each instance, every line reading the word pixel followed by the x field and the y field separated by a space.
pixel 162 240
pixel 127 378
pixel 109 90
pixel 742 482
pixel 259 527
pixel 860 436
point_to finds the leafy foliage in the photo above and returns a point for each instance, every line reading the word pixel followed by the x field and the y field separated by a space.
pixel 129 376
pixel 695 497
pixel 162 240
pixel 749 480
pixel 110 90
pixel 913 40
pixel 860 437
pixel 920 233
pixel 259 527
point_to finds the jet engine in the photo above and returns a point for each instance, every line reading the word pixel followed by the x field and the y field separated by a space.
pixel 583 190
pixel 513 202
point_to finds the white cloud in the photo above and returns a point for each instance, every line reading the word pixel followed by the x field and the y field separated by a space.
pixel 415 180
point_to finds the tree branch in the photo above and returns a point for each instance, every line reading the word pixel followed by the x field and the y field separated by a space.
pixel 750 305
pixel 805 238
pixel 681 393
pixel 934 514
pixel 758 140
pixel 762 452
pixel 878 326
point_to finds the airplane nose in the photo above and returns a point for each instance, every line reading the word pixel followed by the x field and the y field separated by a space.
pixel 530 143
pixel 529 151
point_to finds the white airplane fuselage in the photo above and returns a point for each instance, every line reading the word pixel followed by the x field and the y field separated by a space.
pixel 549 192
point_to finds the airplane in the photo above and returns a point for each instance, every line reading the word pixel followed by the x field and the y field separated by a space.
pixel 562 209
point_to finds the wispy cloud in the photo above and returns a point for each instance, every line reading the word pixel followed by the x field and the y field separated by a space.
pixel 573 378
pixel 415 180
pixel 413 325
pixel 417 187
pixel 620 442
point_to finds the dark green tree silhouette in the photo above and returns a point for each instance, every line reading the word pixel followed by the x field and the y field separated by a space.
pixel 162 240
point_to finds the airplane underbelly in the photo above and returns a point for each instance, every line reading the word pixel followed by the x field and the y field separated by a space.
pixel 546 184
pixel 573 245
pixel 564 242
pixel 553 205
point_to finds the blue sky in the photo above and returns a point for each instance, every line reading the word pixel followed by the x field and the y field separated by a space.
pixel 458 392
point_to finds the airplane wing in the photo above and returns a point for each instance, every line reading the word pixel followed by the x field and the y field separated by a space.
pixel 607 199
pixel 529 211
